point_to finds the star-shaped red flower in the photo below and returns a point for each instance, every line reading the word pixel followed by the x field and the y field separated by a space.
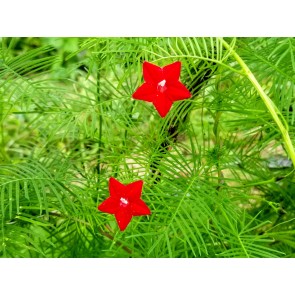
pixel 124 202
pixel 162 86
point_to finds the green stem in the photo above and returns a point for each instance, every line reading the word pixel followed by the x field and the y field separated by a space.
pixel 237 234
pixel 275 113
pixel 128 124
pixel 100 122
pixel 3 154
pixel 217 146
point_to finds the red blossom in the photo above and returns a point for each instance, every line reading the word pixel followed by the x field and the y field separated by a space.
pixel 124 202
pixel 162 86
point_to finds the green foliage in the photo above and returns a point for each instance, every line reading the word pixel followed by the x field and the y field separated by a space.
pixel 216 174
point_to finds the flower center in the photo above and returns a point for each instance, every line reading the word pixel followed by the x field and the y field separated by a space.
pixel 123 202
pixel 161 87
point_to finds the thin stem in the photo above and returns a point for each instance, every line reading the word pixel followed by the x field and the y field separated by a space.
pixel 218 148
pixel 128 123
pixel 99 122
pixel 237 234
pixel 2 143
pixel 275 113
pixel 3 152
pixel 118 243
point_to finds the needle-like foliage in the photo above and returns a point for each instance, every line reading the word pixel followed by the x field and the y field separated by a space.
pixel 218 170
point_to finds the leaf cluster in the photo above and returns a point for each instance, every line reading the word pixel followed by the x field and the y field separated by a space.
pixel 216 174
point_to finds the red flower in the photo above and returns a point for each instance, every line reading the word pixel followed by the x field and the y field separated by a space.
pixel 124 202
pixel 162 86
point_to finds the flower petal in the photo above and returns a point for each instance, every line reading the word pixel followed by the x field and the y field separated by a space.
pixel 139 207
pixel 163 104
pixel 117 189
pixel 172 72
pixel 152 73
pixel 145 92
pixel 110 205
pixel 177 91
pixel 123 218
pixel 133 190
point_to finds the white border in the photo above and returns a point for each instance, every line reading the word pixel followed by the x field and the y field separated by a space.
pixel 147 276
pixel 147 18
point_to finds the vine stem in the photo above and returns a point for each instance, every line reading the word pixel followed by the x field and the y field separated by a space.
pixel 275 113
pixel 98 168
pixel 217 144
